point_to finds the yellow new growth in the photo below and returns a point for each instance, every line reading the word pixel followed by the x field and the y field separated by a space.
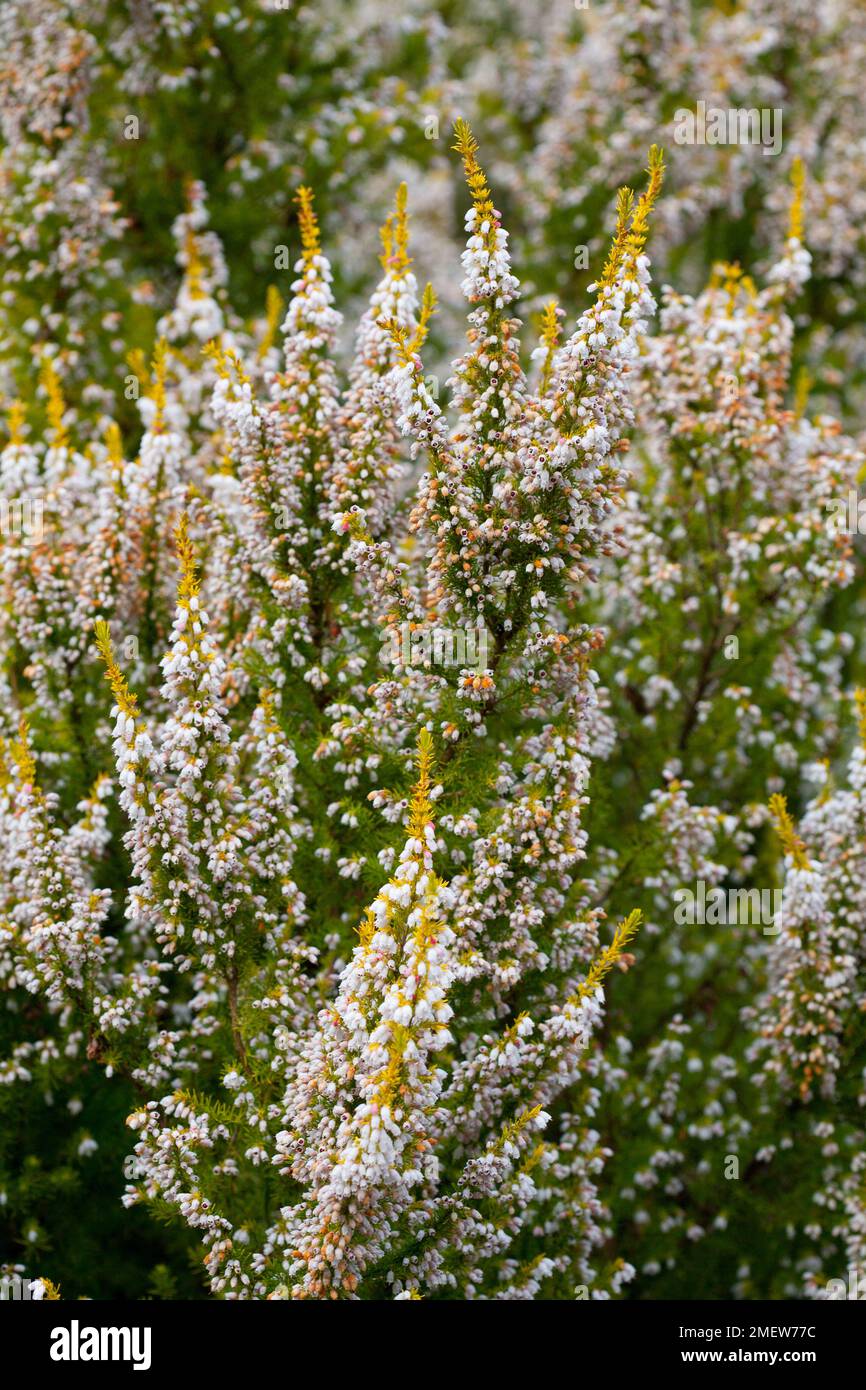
pixel 23 757
pixel 266 700
pixel 632 220
pixel 188 584
pixel 114 444
pixel 138 365
pixel 391 1076
pixel 159 367
pixel 532 1161
pixel 785 829
pixel 56 407
pixel 860 701
pixel 513 1129
pixel 407 347
pixel 17 420
pixel 550 331
pixel 194 266
pixel 395 238
pixel 366 929
pixel 798 184
pixel 226 361
pixel 308 224
pixel 420 815
pixel 273 312
pixel 123 697
pixel 639 229
pixel 728 276
pixel 466 146
pixel 801 392
pixel 420 809
pixel 624 207
pixel 428 309
pixel 625 932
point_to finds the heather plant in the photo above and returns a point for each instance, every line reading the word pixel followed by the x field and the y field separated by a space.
pixel 728 665
pixel 335 1109
pixel 364 723
pixel 730 558
pixel 109 113
pixel 594 84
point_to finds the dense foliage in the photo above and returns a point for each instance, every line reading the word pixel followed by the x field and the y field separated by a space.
pixel 432 796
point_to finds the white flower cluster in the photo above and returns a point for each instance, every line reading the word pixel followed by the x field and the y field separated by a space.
pixel 335 922
pixel 258 548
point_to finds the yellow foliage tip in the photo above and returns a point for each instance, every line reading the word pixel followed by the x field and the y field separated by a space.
pixel 801 392
pixel 550 332
pixel 159 367
pixel 639 228
pixel 550 324
pixel 786 830
pixel 624 209
pixel 421 811
pixel 655 170
pixel 22 756
pixel 138 363
pixel 466 146
pixel 123 697
pixel 860 701
pixel 308 223
pixel 17 420
pixel 367 928
pixel 56 407
pixel 266 700
pixel 428 309
pixel 514 1128
pixel 395 237
pixel 465 143
pixel 407 348
pixel 114 444
pixel 632 219
pixel 534 1159
pixel 273 314
pixel 798 187
pixel 225 360
pixel 625 932
pixel 194 266
pixel 188 586
pixel 399 336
